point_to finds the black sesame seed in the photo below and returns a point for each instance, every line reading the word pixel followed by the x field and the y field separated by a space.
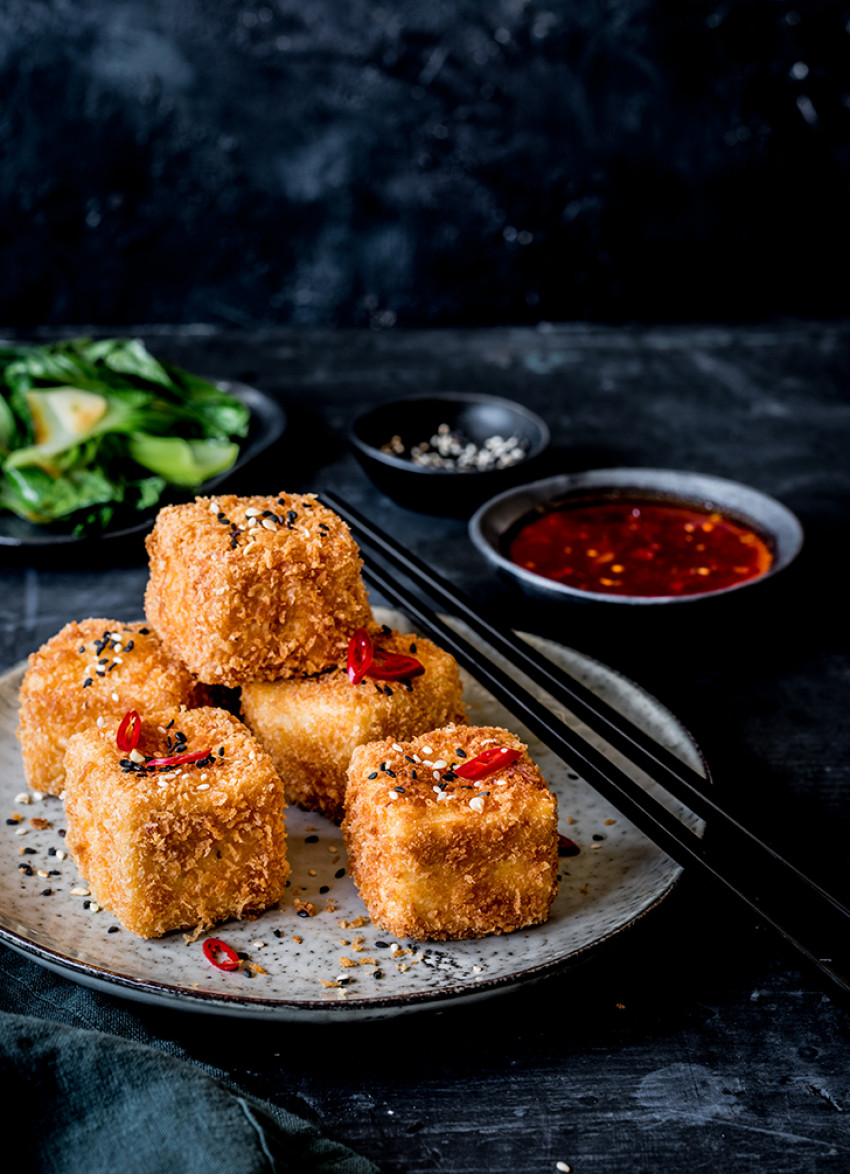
pixel 61 833
pixel 311 840
pixel 413 649
pixel 460 753
pixel 303 913
pixel 277 933
pixel 598 836
pixel 113 929
pixel 400 790
pixel 170 724
pixel 88 681
pixel 51 851
pixel 221 752
pixel 82 648
pixel 144 631
pixel 129 646
pixel 340 872
pixel 12 822
pixel 25 869
pixel 391 773
pixel 32 851
pixel 382 945
pixel 47 892
pixel 373 775
pixel 324 889
pixel 388 691
pixel 414 775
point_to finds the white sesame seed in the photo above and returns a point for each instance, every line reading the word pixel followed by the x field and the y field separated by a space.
pixel 94 907
pixel 269 523
pixel 213 506
pixel 21 831
pixel 252 512
pixel 23 798
pixel 444 795
pixel 38 797
pixel 60 855
pixel 440 764
pixel 392 794
pixel 100 723
pixel 427 750
pixel 203 787
pixel 563 1167
pixel 80 891
pixel 477 969
pixel 435 773
pixel 258 945
pixel 397 747
pixel 114 696
pixel 135 756
pixel 42 872
pixel 416 758
pixel 477 804
pixel 118 660
pixel 119 647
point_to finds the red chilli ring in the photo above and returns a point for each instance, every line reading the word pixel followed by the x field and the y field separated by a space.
pixel 220 955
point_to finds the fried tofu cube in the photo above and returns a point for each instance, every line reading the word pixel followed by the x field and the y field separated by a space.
pixel 438 856
pixel 93 670
pixel 254 588
pixel 311 725
pixel 171 847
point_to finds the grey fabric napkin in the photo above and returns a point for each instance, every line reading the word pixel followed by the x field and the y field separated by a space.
pixel 83 1099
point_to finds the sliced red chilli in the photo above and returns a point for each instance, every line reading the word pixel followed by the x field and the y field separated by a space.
pixel 487 762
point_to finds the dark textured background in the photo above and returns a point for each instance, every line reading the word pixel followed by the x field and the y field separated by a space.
pixel 351 163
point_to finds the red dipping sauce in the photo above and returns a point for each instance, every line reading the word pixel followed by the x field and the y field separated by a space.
pixel 639 547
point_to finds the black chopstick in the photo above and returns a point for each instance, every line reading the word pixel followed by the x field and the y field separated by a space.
pixel 758 876
pixel 623 735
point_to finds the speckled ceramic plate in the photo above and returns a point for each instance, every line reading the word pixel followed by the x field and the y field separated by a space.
pixel 335 964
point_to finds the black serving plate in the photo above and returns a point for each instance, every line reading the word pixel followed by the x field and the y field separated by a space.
pixel 266 426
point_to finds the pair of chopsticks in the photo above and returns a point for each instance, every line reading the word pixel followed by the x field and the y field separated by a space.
pixel 810 919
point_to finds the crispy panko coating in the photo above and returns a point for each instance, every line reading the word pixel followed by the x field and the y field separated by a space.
pixel 254 588
pixel 311 725
pixel 183 846
pixel 436 856
pixel 93 669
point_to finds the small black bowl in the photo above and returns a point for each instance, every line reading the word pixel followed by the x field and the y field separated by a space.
pixel 448 492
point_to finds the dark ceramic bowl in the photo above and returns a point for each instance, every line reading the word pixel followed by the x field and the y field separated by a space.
pixel 449 492
pixel 496 520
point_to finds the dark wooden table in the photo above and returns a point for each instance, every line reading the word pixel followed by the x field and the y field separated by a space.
pixel 696 1041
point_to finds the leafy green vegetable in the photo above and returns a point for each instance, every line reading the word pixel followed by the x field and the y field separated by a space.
pixel 87 427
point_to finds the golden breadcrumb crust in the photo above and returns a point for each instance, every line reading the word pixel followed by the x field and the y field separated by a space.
pixel 482 859
pixel 311 725
pixel 254 588
pixel 91 669
pixel 175 847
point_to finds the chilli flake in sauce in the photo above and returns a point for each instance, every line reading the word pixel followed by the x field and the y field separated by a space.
pixel 644 548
